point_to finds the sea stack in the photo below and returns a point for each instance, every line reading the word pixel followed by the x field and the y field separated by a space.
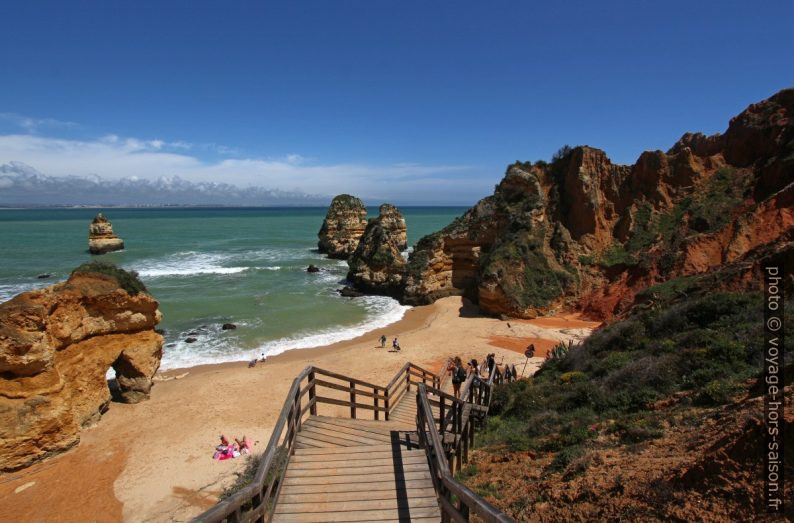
pixel 56 346
pixel 342 227
pixel 377 265
pixel 101 238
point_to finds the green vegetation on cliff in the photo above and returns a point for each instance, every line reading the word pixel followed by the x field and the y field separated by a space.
pixel 127 280
pixel 522 270
pixel 700 349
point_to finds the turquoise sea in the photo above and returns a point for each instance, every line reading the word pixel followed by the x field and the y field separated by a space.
pixel 209 266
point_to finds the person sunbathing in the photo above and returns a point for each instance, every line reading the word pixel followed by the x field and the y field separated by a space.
pixel 245 445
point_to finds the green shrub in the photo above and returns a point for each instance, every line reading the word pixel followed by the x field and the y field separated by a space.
pixel 717 392
pixel 635 429
pixel 127 280
pixel 564 458
pixel 573 377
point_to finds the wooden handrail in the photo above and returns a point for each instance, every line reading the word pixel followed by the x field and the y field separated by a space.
pixel 447 488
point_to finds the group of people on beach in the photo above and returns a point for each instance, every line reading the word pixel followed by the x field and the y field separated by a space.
pixel 395 345
pixel 254 361
pixel 459 374
pixel 227 450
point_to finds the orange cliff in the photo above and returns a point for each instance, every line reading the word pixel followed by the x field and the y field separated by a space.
pixel 582 233
pixel 56 346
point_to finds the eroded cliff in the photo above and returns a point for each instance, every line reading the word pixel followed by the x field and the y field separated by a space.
pixel 377 264
pixel 342 227
pixel 56 346
pixel 583 232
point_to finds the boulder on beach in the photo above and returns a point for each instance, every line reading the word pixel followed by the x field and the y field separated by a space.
pixel 101 238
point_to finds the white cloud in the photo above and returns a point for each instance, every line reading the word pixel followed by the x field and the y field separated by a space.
pixel 113 158
pixel 32 125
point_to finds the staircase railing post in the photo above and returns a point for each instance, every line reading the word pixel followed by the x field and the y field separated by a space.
pixel 386 403
pixel 353 400
pixel 375 397
pixel 312 395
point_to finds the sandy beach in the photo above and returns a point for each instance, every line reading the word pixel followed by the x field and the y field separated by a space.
pixel 152 461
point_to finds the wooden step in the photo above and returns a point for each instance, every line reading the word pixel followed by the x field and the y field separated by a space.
pixel 321 496
pixel 408 514
pixel 357 505
pixel 356 456
pixel 371 462
pixel 355 478
pixel 390 484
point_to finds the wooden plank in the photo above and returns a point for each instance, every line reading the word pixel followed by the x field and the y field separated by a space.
pixel 327 472
pixel 379 427
pixel 357 505
pixel 314 430
pixel 340 450
pixel 358 488
pixel 304 439
pixel 353 457
pixel 325 440
pixel 371 462
pixel 384 435
pixel 353 478
pixel 361 515
pixel 321 496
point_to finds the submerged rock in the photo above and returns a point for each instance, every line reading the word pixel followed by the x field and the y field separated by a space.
pixel 101 238
pixel 349 292
pixel 342 227
pixel 56 346
pixel 312 268
pixel 228 326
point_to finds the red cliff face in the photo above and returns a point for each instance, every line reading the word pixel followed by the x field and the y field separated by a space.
pixel 583 232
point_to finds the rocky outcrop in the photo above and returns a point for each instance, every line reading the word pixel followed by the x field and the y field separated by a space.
pixel 56 346
pixel 582 231
pixel 101 238
pixel 342 227
pixel 377 264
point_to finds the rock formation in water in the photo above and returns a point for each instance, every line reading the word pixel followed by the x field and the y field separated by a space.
pixel 342 227
pixel 584 231
pixel 56 346
pixel 377 264
pixel 101 238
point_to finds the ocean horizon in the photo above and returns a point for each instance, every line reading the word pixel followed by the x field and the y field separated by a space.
pixel 213 265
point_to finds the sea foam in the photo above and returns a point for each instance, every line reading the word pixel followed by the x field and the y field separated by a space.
pixel 211 347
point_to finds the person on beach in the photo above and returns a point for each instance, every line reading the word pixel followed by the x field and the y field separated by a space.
pixel 383 341
pixel 245 445
pixel 458 376
pixel 395 345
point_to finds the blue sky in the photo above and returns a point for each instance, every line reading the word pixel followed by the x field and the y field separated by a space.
pixel 413 102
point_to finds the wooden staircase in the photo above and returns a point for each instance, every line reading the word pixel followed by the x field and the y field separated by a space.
pixel 356 470
pixel 394 467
